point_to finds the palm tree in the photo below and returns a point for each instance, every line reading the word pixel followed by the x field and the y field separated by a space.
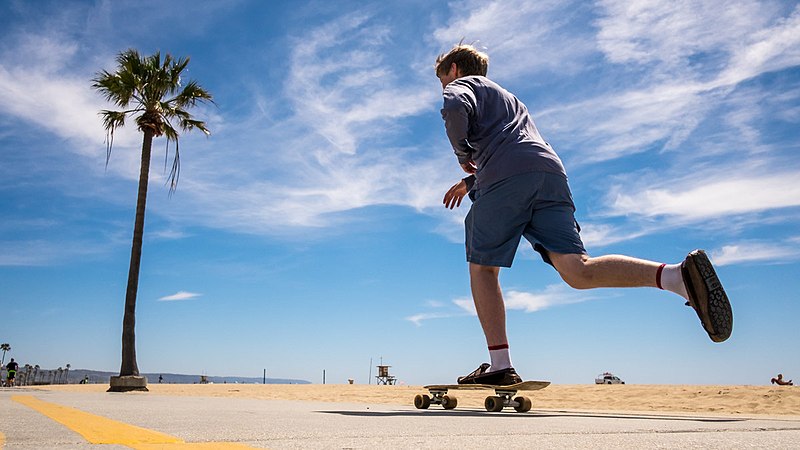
pixel 150 89
pixel 5 348
pixel 26 376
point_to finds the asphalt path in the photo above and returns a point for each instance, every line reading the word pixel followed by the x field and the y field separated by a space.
pixel 33 419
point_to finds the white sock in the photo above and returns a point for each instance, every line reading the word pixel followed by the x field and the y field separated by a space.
pixel 501 359
pixel 672 280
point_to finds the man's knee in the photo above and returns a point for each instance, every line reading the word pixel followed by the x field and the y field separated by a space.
pixel 481 270
pixel 573 270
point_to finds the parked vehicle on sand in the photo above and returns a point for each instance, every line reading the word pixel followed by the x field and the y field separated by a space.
pixel 608 378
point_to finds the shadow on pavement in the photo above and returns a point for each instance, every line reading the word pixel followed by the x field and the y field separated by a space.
pixel 533 414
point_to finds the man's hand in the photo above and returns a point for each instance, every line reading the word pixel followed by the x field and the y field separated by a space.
pixel 453 197
pixel 469 167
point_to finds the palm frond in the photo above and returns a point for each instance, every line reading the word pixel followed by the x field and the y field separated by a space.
pixel 149 89
pixel 113 88
pixel 190 95
pixel 172 135
pixel 190 124
pixel 175 73
pixel 111 121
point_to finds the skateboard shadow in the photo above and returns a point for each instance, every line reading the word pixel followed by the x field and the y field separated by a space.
pixel 532 415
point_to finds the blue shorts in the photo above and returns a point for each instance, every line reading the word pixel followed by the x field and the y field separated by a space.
pixel 537 205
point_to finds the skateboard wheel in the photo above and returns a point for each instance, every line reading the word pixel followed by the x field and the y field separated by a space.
pixel 523 404
pixel 422 401
pixel 449 402
pixel 493 404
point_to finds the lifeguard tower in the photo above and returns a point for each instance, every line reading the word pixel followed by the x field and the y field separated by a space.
pixel 384 377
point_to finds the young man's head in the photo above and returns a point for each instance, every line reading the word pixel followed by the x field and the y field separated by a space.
pixel 463 60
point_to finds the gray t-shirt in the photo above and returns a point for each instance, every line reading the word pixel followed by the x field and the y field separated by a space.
pixel 490 126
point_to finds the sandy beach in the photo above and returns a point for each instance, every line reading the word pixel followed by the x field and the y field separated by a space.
pixel 705 399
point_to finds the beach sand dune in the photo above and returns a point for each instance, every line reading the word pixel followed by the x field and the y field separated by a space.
pixel 706 399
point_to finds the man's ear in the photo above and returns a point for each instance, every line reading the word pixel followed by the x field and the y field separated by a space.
pixel 454 69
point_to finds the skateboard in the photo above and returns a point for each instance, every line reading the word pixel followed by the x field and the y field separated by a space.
pixel 504 395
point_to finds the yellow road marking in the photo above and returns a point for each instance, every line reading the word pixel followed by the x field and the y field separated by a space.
pixel 193 446
pixel 101 430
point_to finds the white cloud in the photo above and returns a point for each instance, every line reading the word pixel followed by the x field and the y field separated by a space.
pixel 26 253
pixel 467 305
pixel 709 199
pixel 61 105
pixel 45 252
pixel 599 234
pixel 645 31
pixel 768 49
pixel 750 252
pixel 521 37
pixel 335 146
pixel 678 61
pixel 45 80
pixel 463 304
pixel 417 319
pixel 41 81
pixel 337 149
pixel 552 296
pixel 623 123
pixel 332 150
pixel 166 234
pixel 178 296
pixel 340 86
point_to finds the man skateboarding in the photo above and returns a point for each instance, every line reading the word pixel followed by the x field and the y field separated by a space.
pixel 518 187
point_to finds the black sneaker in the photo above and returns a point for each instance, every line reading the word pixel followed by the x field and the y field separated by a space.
pixel 503 377
pixel 707 296
pixel 467 378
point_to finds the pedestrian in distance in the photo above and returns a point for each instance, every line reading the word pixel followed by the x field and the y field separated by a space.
pixel 11 369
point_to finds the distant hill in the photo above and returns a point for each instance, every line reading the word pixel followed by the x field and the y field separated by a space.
pixel 98 377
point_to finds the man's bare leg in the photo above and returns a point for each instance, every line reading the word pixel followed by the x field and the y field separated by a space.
pixel 488 298
pixel 585 272
pixel 489 304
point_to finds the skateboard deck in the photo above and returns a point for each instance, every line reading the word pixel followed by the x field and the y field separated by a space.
pixel 504 395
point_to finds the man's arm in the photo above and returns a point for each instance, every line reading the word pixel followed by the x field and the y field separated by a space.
pixel 456 112
pixel 452 198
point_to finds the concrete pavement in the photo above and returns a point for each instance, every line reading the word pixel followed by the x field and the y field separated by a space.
pixel 33 419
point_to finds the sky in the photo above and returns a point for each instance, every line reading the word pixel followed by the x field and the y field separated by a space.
pixel 307 232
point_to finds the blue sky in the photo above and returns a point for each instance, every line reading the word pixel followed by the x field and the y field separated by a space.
pixel 307 232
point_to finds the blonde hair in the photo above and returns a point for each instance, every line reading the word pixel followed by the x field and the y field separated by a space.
pixel 468 59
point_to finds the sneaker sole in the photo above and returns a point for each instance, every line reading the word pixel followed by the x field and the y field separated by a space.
pixel 718 309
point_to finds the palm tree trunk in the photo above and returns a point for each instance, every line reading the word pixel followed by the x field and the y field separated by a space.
pixel 129 366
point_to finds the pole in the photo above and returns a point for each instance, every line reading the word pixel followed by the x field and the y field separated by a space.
pixel 265 376
pixel 369 377
pixel 323 376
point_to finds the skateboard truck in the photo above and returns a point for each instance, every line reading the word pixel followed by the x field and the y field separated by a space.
pixel 437 397
pixel 505 399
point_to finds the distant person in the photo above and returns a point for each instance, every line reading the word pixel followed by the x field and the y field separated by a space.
pixel 779 380
pixel 12 368
pixel 160 379
pixel 85 380
pixel 518 187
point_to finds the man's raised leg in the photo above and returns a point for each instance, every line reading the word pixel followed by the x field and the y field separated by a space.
pixel 695 280
pixel 584 272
